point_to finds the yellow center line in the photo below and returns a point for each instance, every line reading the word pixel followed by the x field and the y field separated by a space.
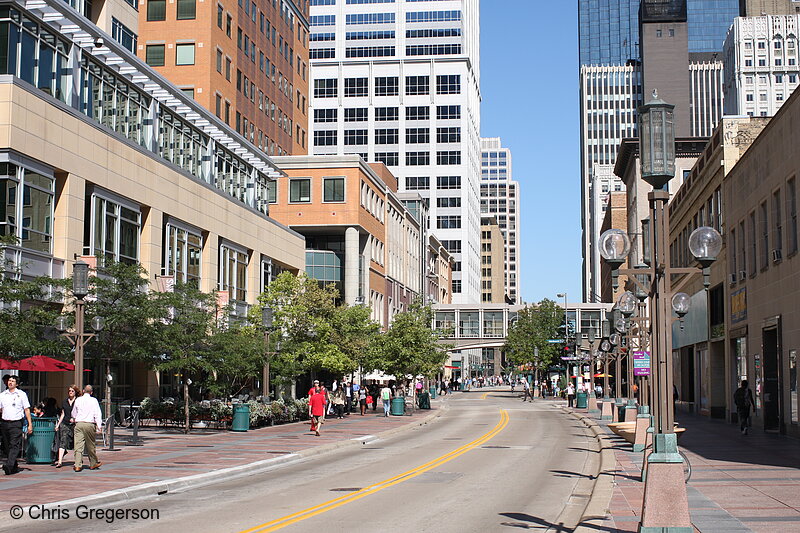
pixel 485 394
pixel 279 523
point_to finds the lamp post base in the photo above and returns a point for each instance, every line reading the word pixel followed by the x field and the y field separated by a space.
pixel 642 423
pixel 631 411
pixel 605 413
pixel 665 508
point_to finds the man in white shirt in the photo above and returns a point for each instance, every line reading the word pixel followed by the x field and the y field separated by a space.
pixel 14 407
pixel 88 422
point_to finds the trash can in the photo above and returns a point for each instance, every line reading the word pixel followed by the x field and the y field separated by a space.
pixel 582 400
pixel 398 406
pixel 433 393
pixel 424 400
pixel 241 417
pixel 41 441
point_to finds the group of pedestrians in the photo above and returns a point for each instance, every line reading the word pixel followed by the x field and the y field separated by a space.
pixel 338 401
pixel 77 423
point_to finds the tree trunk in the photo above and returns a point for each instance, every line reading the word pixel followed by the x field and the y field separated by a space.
pixel 186 404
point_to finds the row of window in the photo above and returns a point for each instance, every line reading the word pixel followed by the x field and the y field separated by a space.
pixel 387 51
pixel 333 190
pixel 387 86
pixel 387 136
pixel 384 114
pixel 421 183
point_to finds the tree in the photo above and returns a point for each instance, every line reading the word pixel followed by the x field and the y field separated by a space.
pixel 527 344
pixel 354 334
pixel 238 353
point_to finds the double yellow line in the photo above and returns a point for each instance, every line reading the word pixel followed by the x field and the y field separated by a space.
pixel 299 516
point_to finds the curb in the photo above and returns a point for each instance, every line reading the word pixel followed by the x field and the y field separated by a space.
pixel 596 514
pixel 163 487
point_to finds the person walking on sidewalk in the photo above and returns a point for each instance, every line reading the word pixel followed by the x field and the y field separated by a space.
pixel 386 397
pixel 316 410
pixel 88 423
pixel 526 389
pixel 362 399
pixel 743 398
pixel 15 408
pixel 65 427
pixel 570 394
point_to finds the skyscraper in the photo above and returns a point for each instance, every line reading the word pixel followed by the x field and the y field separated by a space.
pixel 398 82
pixel 500 199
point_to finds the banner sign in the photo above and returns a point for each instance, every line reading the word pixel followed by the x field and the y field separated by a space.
pixel 641 363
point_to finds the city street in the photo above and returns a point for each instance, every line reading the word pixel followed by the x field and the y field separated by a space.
pixel 489 463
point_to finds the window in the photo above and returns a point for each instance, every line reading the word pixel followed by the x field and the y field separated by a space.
pixel 154 55
pixel 219 60
pixel 383 114
pixel 114 230
pixel 456 283
pixel 356 87
pixel 418 158
pixel 448 221
pixel 453 247
pixel 182 252
pixel 325 138
pixel 386 136
pixel 354 137
pixel 447 112
pixel 370 18
pixel 764 222
pixel 35 211
pixel 272 191
pixel 418 183
pixel 220 16
pixel 322 53
pixel 448 135
pixel 791 215
pixel 325 115
pixel 233 272
pixel 355 114
pixel 390 159
pixel 325 88
pixel 448 182
pixel 448 84
pixel 386 86
pixel 417 135
pixel 318 37
pixel 777 223
pixel 448 157
pixel 300 190
pixel 187 10
pixel 417 85
pixel 418 113
pixel 228 24
pixel 184 54
pixel 228 65
pixel 320 20
pixel 333 189
pixel 156 10
pixel 433 16
pixel 218 105
pixel 753 256
pixel 369 51
pixel 123 35
pixel 448 201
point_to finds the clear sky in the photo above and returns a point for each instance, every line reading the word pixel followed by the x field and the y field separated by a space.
pixel 529 90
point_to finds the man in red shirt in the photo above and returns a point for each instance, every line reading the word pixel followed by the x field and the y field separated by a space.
pixel 311 392
pixel 316 410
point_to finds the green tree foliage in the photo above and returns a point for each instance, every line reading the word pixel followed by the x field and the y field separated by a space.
pixel 411 346
pixel 354 333
pixel 527 344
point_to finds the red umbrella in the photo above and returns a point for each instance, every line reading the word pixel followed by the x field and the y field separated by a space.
pixel 6 364
pixel 42 363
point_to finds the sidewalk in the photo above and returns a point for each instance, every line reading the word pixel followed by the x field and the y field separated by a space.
pixel 168 456
pixel 738 484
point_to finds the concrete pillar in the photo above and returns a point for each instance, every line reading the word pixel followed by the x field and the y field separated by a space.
pixel 351 253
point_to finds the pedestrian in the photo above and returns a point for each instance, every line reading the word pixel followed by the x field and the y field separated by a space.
pixel 88 423
pixel 743 398
pixel 15 408
pixel 65 426
pixel 526 389
pixel 348 398
pixel 598 391
pixel 570 394
pixel 386 397
pixel 337 400
pixel 316 410
pixel 362 399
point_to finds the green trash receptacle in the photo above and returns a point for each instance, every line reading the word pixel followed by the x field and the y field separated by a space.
pixel 582 400
pixel 398 406
pixel 241 417
pixel 433 392
pixel 424 400
pixel 41 441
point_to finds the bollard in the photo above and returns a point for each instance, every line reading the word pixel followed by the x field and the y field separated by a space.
pixel 109 423
pixel 134 439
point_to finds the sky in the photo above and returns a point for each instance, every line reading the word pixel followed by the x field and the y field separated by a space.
pixel 529 92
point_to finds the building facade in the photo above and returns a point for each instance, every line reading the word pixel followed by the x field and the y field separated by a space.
pixel 615 216
pixel 246 63
pixel 706 96
pixel 492 261
pixel 116 163
pixel 756 8
pixel 359 235
pixel 500 197
pixel 398 83
pixel 761 64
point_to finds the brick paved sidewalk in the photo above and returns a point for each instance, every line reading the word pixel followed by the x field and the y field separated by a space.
pixel 738 484
pixel 168 454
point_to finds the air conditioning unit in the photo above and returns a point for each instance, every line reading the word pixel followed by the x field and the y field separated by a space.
pixel 733 278
pixel 777 255
pixel 742 275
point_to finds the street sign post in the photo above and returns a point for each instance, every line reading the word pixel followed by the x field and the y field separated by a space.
pixel 641 363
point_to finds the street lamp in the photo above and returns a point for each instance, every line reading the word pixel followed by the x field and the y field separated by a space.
pixel 267 322
pixel 665 505
pixel 79 338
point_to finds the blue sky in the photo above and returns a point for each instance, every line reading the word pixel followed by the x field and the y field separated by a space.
pixel 529 90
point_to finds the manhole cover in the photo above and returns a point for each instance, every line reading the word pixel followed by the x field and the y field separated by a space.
pixel 346 489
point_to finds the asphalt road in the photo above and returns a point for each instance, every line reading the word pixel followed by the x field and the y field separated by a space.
pixel 489 463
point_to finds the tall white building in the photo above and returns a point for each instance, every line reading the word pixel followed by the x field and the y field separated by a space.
pixel 705 94
pixel 500 198
pixel 399 82
pixel 761 70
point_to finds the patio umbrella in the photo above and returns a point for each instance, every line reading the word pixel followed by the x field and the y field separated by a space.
pixel 602 375
pixel 6 364
pixel 42 363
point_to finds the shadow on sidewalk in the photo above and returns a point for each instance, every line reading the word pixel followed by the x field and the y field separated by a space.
pixel 526 521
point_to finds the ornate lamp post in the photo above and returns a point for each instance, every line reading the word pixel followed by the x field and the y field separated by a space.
pixel 79 338
pixel 665 505
pixel 626 304
pixel 267 324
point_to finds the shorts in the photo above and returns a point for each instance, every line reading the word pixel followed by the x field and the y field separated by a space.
pixel 363 402
pixel 318 420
